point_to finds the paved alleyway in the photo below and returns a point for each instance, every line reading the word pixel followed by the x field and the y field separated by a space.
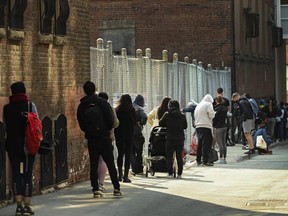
pixel 256 186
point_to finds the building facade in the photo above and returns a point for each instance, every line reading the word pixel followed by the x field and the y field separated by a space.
pixel 236 34
pixel 46 44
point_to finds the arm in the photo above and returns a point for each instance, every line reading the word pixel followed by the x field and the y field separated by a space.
pixel 163 120
pixel 152 116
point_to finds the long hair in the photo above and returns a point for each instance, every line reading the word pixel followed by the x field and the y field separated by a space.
pixel 125 103
pixel 163 107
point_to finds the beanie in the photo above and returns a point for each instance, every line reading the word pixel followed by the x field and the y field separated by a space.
pixel 18 87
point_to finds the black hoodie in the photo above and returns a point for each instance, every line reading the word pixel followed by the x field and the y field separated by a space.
pixel 105 109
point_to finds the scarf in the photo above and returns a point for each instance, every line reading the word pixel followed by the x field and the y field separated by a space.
pixel 18 97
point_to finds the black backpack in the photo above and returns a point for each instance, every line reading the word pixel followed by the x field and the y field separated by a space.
pixel 94 121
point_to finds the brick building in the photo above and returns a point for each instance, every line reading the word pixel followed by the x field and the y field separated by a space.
pixel 51 54
pixel 236 34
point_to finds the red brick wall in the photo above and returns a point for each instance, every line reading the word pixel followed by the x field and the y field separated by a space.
pixel 197 29
pixel 202 30
pixel 53 74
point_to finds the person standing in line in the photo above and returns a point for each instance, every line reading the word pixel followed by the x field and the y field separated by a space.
pixel 175 122
pixel 220 126
pixel 124 134
pixel 204 114
pixel 102 168
pixel 21 162
pixel 191 106
pixel 99 144
pixel 246 118
pixel 158 112
pixel 138 140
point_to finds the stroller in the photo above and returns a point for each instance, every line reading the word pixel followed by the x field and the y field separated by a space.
pixel 156 160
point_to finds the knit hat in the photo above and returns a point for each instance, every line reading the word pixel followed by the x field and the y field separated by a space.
pixel 18 87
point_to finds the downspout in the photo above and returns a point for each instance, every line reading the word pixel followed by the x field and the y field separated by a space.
pixel 233 72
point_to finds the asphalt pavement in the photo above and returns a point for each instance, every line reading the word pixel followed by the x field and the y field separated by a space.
pixel 223 189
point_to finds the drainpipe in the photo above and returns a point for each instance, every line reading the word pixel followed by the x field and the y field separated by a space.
pixel 233 72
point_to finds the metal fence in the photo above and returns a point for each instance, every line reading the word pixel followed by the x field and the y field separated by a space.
pixel 154 78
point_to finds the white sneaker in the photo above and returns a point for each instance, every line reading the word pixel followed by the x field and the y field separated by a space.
pixel 179 176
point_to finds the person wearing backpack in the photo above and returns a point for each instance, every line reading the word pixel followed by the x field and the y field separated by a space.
pixel 246 118
pixel 95 118
pixel 21 161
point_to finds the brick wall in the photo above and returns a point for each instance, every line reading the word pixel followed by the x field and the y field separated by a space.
pixel 53 74
pixel 202 30
pixel 197 29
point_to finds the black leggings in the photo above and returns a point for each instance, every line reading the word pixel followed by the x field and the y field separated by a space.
pixel 124 148
pixel 22 168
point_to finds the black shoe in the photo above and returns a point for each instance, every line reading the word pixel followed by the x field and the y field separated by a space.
pixel 127 180
pixel 251 151
pixel 199 163
pixel 208 164
pixel 19 210
pixel 117 193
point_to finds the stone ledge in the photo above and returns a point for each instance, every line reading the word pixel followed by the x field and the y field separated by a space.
pixel 16 34
pixel 45 38
pixel 2 32
pixel 60 40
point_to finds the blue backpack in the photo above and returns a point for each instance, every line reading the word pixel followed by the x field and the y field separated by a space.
pixel 254 106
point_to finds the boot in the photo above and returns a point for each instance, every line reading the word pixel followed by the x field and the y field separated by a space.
pixel 126 179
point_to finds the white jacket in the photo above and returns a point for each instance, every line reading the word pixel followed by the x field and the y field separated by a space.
pixel 204 113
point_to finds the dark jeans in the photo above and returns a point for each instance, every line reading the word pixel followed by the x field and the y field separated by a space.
pixel 103 147
pixel 171 146
pixel 204 144
pixel 136 157
pixel 124 148
pixel 22 177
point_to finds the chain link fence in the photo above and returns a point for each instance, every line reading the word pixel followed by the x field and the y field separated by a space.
pixel 154 79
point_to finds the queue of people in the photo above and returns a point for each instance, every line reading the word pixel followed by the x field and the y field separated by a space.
pixel 123 125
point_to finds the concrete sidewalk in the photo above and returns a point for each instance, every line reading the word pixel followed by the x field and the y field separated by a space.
pixel 77 199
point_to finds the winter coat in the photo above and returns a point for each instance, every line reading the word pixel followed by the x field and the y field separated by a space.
pixel 15 124
pixel 175 123
pixel 127 121
pixel 106 110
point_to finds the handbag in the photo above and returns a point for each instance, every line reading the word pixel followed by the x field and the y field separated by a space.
pixel 213 156
pixel 260 142
pixel 193 146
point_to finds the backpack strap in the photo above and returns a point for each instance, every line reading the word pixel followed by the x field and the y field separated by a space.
pixel 29 106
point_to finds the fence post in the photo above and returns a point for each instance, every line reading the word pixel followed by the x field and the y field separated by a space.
pixel 110 71
pixel 99 43
pixel 140 82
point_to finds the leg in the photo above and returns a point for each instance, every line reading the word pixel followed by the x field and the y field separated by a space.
pixel 127 150
pixel 207 144
pixel 102 170
pixel 179 148
pixel 120 148
pixel 94 160
pixel 169 156
pixel 200 142
pixel 107 155
pixel 219 140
